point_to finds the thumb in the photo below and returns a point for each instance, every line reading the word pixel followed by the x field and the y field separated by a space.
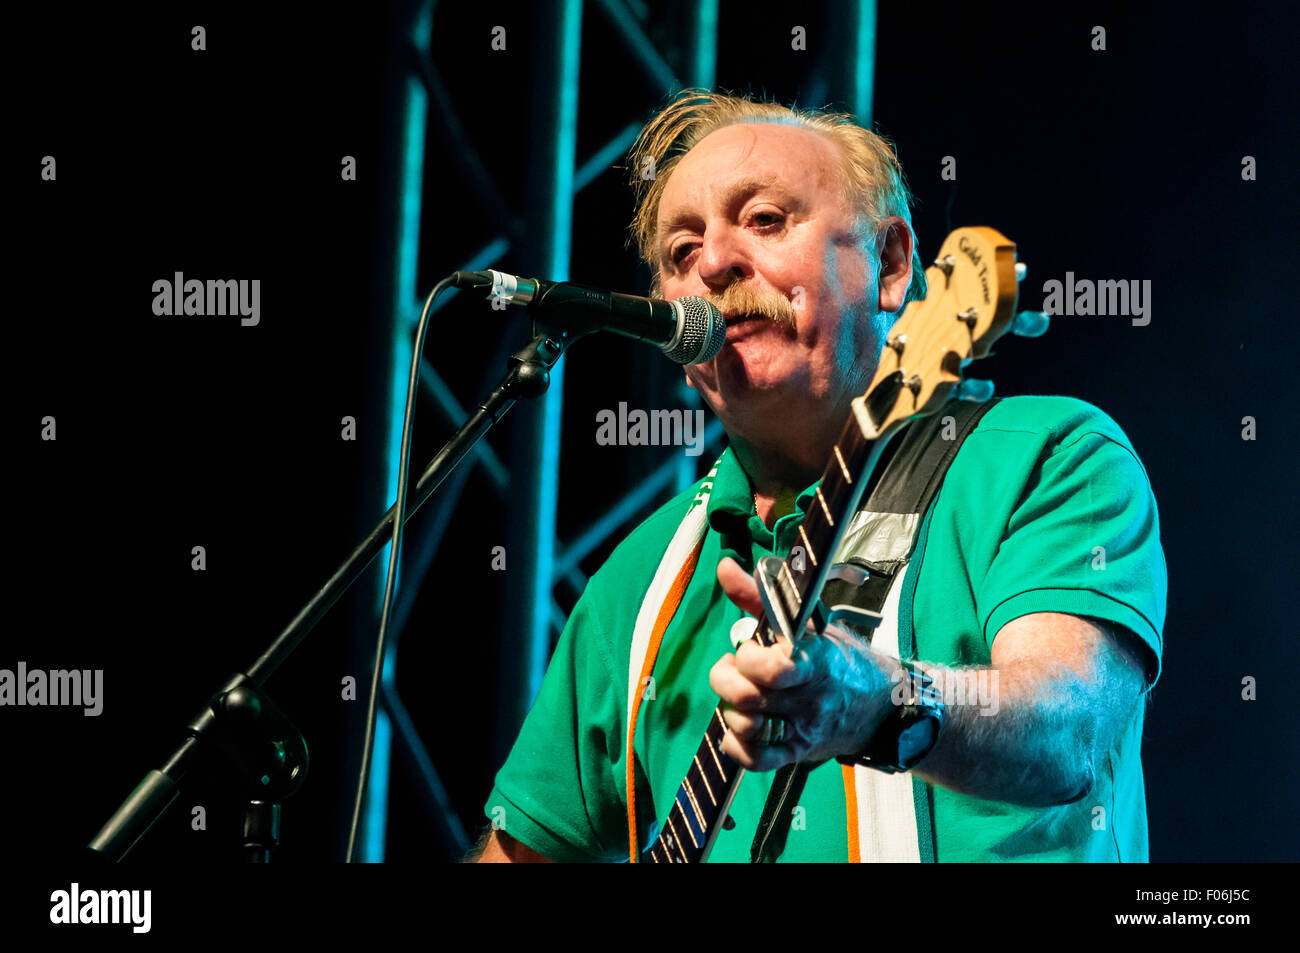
pixel 740 587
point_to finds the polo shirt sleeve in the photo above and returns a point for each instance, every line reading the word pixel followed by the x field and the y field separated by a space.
pixel 559 791
pixel 1083 538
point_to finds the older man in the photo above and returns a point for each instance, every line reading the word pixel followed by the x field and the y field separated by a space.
pixel 1040 568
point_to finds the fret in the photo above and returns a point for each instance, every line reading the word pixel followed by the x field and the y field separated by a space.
pixel 826 510
pixel 790 590
pixel 837 493
pixel 789 579
pixel 691 818
pixel 713 767
pixel 705 778
pixel 693 801
pixel 689 785
pixel 677 836
pixel 721 724
pixel 713 751
pixel 839 457
pixel 807 546
pixel 669 836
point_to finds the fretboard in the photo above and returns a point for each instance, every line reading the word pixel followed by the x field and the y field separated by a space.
pixel 699 811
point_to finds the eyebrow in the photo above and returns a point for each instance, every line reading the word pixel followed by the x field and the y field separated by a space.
pixel 740 189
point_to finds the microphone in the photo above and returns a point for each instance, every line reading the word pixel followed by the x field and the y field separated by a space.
pixel 688 330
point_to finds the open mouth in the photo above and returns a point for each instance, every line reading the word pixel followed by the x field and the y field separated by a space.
pixel 745 325
pixel 739 319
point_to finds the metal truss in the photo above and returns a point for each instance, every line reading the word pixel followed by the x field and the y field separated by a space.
pixel 547 562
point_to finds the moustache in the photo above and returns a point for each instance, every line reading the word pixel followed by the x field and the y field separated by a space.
pixel 746 299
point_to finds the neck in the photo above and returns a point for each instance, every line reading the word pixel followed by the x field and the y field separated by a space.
pixel 782 462
pixel 777 479
pixel 772 508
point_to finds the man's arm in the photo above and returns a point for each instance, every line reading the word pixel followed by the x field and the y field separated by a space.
pixel 1065 687
pixel 498 847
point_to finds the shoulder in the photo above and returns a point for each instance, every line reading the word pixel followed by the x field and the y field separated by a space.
pixel 624 578
pixel 1057 419
pixel 1041 426
pixel 640 550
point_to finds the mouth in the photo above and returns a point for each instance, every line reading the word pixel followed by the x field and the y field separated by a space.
pixel 743 325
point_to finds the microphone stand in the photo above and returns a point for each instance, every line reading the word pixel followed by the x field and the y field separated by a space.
pixel 240 723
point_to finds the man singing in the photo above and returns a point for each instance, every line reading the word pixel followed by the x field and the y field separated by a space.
pixel 1039 573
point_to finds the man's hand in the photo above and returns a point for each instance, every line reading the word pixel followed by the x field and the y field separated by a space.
pixel 832 693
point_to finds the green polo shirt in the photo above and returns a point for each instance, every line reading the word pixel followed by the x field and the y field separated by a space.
pixel 1046 508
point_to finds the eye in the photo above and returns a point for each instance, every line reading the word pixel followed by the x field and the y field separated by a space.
pixel 763 221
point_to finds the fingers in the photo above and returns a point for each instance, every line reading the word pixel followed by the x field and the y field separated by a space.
pixel 746 708
pixel 754 757
pixel 734 688
pixel 740 587
pixel 773 667
pixel 755 675
pixel 746 726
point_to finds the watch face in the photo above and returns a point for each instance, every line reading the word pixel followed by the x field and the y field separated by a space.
pixel 916 740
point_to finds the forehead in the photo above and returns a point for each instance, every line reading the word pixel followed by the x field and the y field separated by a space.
pixel 748 155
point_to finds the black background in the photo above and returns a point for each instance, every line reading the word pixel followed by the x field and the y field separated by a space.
pixel 174 432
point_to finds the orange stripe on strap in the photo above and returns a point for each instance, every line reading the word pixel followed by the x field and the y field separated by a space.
pixel 666 612
pixel 851 809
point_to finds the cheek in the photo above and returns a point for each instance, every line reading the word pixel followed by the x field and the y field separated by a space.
pixel 848 309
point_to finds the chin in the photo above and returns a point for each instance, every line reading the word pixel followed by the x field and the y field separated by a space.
pixel 742 371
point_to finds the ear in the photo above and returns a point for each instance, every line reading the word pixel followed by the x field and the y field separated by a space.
pixel 894 239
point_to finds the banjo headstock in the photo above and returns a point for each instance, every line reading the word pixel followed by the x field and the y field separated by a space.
pixel 969 304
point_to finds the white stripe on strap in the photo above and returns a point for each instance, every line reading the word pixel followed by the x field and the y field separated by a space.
pixel 683 543
pixel 887 831
pixel 669 584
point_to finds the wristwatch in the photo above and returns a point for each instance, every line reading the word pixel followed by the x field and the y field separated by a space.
pixel 910 730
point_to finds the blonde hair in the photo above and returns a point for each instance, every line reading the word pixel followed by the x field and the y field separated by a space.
pixel 870 174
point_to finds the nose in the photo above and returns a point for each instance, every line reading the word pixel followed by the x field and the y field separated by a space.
pixel 723 259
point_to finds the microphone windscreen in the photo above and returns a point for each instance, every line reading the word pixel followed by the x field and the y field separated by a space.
pixel 703 331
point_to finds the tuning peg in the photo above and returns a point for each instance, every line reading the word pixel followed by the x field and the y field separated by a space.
pixel 1021 270
pixel 1030 324
pixel 975 390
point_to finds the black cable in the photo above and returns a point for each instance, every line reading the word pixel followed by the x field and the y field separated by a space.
pixel 393 556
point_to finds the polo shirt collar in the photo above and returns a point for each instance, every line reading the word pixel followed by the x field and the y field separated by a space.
pixel 731 510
